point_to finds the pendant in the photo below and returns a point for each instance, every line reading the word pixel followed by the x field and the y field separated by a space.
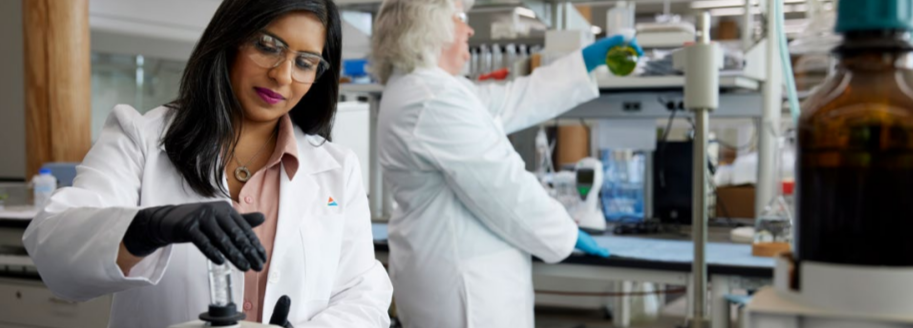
pixel 242 174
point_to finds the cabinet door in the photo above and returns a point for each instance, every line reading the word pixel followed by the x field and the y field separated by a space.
pixel 27 303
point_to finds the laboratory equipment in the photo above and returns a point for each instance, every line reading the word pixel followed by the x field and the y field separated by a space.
pixel 510 56
pixel 773 232
pixel 65 172
pixel 854 176
pixel 622 59
pixel 668 35
pixel 855 145
pixel 810 50
pixel 672 175
pixel 620 17
pixel 356 70
pixel 565 190
pixel 473 63
pixel 623 186
pixel 44 185
pixel 544 166
pixel 701 63
pixel 485 60
pixel 497 58
pixel 222 310
pixel 588 214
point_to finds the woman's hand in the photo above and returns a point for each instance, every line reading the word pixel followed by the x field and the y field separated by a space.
pixel 215 228
pixel 588 245
pixel 280 313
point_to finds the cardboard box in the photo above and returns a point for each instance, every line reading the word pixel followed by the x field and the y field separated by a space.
pixel 573 145
pixel 737 202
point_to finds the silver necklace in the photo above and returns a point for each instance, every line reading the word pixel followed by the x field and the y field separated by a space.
pixel 241 172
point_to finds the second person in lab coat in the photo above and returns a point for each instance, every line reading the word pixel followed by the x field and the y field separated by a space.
pixel 469 213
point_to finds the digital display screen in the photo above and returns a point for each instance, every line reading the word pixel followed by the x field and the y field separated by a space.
pixel 585 176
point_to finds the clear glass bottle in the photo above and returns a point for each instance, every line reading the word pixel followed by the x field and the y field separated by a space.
pixel 220 287
pixel 484 60
pixel 855 154
pixel 773 232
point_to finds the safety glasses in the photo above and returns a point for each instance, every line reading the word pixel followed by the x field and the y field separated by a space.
pixel 268 51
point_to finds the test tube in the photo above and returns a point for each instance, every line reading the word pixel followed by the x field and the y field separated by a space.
pixel 220 284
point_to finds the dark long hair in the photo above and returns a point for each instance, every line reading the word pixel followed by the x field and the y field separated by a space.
pixel 201 136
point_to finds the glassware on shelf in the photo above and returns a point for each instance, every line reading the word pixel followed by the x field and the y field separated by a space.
pixel 773 233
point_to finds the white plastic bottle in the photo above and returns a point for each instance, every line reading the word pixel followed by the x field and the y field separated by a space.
pixel 44 185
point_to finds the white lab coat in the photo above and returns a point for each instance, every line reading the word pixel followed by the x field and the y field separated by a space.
pixel 469 213
pixel 323 256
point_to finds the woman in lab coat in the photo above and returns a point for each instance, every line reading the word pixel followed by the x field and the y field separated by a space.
pixel 469 214
pixel 160 193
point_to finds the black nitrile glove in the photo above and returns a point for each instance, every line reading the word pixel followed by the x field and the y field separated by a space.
pixel 214 227
pixel 280 313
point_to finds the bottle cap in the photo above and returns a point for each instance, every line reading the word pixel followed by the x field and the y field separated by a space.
pixel 789 186
pixel 44 171
pixel 868 15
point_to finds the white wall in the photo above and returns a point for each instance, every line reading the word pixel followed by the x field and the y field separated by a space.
pixel 356 34
pixel 12 91
pixel 182 20
pixel 351 130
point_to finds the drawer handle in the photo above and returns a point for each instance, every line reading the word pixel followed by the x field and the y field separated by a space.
pixel 56 300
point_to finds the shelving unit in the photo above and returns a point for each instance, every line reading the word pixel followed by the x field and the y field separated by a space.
pixel 729 81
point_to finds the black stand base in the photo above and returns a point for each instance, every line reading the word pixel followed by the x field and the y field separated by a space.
pixel 222 316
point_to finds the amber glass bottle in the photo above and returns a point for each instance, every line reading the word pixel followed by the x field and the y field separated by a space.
pixel 855 154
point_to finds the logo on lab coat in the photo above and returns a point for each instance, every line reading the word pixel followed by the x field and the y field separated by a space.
pixel 331 202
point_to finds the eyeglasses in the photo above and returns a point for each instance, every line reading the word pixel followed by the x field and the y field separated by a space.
pixel 268 51
pixel 463 17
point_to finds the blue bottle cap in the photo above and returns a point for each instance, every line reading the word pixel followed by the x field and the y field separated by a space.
pixel 868 15
pixel 44 171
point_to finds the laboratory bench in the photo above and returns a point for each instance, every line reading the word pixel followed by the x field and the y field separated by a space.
pixel 663 258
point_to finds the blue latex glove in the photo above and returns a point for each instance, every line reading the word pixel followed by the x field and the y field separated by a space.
pixel 588 245
pixel 594 54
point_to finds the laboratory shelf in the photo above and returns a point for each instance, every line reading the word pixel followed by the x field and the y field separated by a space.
pixel 360 88
pixel 609 83
pixel 728 80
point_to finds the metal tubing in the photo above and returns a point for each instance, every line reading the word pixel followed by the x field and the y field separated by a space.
pixel 699 217
pixel 747 26
pixel 699 189
pixel 768 172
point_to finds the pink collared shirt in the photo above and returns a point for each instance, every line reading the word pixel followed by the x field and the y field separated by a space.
pixel 261 194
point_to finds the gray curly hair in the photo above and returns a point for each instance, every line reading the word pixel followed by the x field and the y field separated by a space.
pixel 409 34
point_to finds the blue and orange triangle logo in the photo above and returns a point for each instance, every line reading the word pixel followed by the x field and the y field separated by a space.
pixel 331 202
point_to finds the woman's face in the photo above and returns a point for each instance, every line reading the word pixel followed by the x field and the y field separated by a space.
pixel 275 69
pixel 455 55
